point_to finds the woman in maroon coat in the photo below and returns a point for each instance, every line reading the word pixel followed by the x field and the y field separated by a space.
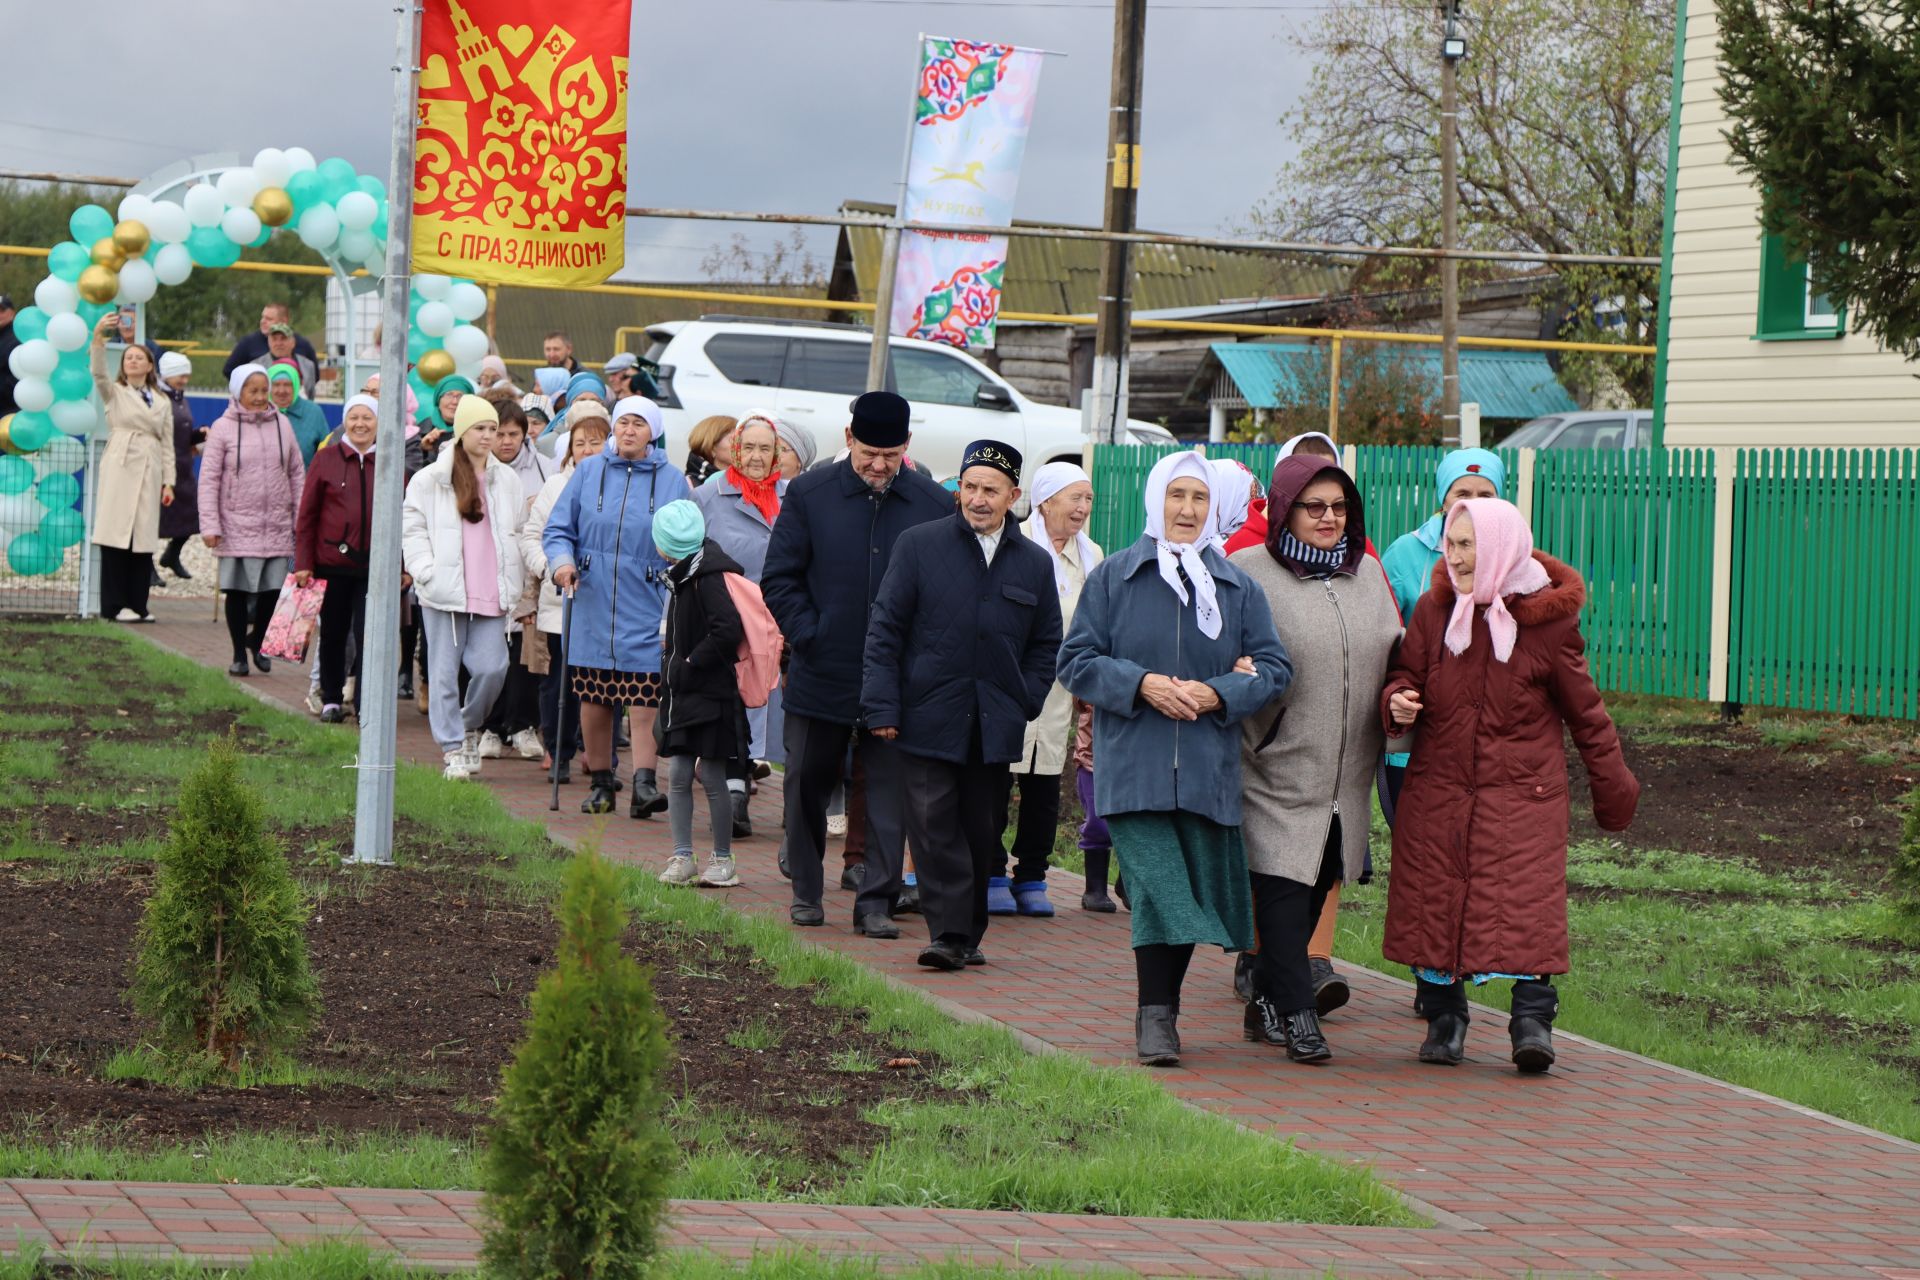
pixel 1491 667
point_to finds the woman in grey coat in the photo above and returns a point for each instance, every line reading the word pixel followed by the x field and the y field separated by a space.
pixel 1307 757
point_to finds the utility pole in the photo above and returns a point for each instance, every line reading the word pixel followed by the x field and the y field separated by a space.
pixel 1106 410
pixel 1453 47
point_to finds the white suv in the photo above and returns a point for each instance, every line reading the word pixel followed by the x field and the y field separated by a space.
pixel 808 373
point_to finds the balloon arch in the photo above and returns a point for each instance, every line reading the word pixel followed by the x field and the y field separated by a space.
pixel 196 215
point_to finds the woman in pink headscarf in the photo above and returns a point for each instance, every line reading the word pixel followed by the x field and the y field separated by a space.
pixel 1492 666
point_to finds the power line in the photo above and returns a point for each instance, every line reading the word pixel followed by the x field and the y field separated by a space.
pixel 906 5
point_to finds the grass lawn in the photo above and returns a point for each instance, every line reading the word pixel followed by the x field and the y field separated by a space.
pixel 96 728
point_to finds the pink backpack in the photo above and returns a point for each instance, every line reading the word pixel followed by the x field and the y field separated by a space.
pixel 757 669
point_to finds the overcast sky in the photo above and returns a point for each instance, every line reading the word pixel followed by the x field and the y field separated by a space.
pixel 777 105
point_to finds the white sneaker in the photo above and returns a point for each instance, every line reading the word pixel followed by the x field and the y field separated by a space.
pixel 457 768
pixel 126 615
pixel 490 746
pixel 527 744
pixel 719 873
pixel 470 750
pixel 836 824
pixel 314 702
pixel 681 869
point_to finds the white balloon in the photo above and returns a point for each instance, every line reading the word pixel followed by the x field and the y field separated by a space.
pixel 435 319
pixel 33 394
pixel 319 228
pixel 241 225
pixel 35 358
pixel 75 417
pixel 433 288
pixel 469 301
pixel 21 511
pixel 138 281
pixel 466 344
pixel 173 264
pixel 357 210
pixel 135 208
pixel 356 246
pixel 55 296
pixel 299 159
pixel 271 167
pixel 204 205
pixel 62 455
pixel 168 222
pixel 238 187
pixel 67 332
pixel 471 372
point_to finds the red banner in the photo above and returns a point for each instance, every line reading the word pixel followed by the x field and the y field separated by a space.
pixel 520 164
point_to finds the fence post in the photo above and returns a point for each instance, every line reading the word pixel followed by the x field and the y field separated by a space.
pixel 1523 487
pixel 1720 632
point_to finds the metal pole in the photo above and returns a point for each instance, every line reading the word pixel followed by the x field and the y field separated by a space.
pixel 1449 237
pixel 380 652
pixel 878 354
pixel 1107 410
pixel 1333 391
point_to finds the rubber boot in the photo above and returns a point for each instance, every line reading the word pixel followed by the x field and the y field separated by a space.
pixel 1154 1040
pixel 1447 1021
pixel 1535 1003
pixel 602 798
pixel 1095 898
pixel 647 799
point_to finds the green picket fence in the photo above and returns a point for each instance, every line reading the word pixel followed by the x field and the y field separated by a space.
pixel 1119 480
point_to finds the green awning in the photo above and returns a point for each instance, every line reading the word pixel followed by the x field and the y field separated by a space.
pixel 1505 384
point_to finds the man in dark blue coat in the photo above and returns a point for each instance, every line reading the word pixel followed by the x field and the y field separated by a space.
pixel 829 550
pixel 960 655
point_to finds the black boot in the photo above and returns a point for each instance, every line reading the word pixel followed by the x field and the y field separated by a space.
pixel 1095 898
pixel 405 692
pixel 1154 1039
pixel 647 799
pixel 742 820
pixel 1243 975
pixel 1534 1005
pixel 1262 1023
pixel 1330 990
pixel 1447 1021
pixel 1304 1041
pixel 154 580
pixel 602 798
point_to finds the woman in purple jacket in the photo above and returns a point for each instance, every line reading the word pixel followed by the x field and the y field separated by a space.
pixel 250 482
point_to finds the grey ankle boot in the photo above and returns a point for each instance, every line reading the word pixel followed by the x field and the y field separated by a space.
pixel 1154 1039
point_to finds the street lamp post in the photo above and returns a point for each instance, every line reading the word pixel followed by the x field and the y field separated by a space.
pixel 1453 47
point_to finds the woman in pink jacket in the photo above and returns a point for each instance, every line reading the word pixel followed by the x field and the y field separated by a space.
pixel 250 482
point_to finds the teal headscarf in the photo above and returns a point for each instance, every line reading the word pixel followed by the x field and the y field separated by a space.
pixel 430 411
pixel 309 423
pixel 1461 462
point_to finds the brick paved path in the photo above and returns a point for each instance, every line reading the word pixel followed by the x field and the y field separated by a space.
pixel 1610 1164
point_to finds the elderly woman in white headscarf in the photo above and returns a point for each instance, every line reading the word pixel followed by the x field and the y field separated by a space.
pixel 1062 496
pixel 1173 646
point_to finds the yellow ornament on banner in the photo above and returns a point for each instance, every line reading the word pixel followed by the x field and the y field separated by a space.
pixel 6 437
pixel 108 254
pixel 98 284
pixel 434 366
pixel 132 238
pixel 273 206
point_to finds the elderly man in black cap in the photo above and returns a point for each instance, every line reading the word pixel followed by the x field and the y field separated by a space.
pixel 828 553
pixel 960 656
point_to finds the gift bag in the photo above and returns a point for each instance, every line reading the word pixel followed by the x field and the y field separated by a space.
pixel 294 618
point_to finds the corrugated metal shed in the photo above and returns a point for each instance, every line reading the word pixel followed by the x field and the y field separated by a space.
pixel 1505 384
pixel 1062 277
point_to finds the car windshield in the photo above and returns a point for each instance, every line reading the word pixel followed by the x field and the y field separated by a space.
pixel 1530 436
pixel 1594 433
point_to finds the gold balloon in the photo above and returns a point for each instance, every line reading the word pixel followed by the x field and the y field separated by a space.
pixel 273 206
pixel 108 254
pixel 132 237
pixel 99 284
pixel 6 437
pixel 433 366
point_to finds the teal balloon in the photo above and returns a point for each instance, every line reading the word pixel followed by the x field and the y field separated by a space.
pixel 418 344
pixel 209 247
pixel 337 177
pixel 92 311
pixel 29 323
pixel 89 223
pixel 31 555
pixel 266 234
pixel 67 260
pixel 77 359
pixel 64 527
pixel 58 491
pixel 303 189
pixel 153 250
pixel 32 430
pixel 16 475
pixel 373 187
pixel 379 227
pixel 71 384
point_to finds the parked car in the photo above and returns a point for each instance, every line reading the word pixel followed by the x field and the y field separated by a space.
pixel 1589 429
pixel 809 372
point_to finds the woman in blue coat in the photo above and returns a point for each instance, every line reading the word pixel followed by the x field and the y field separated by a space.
pixel 1173 647
pixel 600 550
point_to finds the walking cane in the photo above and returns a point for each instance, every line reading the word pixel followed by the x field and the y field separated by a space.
pixel 560 713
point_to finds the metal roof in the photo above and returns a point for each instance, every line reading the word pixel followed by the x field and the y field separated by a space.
pixel 1505 384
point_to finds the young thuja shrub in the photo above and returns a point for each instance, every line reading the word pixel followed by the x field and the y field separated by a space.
pixel 1906 860
pixel 221 966
pixel 577 1162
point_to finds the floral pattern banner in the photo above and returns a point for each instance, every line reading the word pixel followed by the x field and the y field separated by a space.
pixel 969 136
pixel 520 163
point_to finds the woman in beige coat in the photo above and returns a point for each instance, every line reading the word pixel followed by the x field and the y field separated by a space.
pixel 136 475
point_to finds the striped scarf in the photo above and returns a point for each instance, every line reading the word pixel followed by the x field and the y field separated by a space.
pixel 1312 562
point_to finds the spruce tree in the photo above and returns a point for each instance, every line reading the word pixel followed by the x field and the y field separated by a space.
pixel 577 1163
pixel 222 961
pixel 1906 861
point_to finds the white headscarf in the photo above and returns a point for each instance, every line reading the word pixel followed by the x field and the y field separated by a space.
pixel 173 364
pixel 1048 481
pixel 641 407
pixel 1287 449
pixel 1190 556
pixel 364 401
pixel 1232 501
pixel 238 379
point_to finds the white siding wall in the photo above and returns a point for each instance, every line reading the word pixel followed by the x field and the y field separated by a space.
pixel 1724 388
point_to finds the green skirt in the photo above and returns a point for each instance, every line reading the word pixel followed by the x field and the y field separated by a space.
pixel 1186 879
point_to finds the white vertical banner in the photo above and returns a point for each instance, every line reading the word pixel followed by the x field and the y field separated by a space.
pixel 963 167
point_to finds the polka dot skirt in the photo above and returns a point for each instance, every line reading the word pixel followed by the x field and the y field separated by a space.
pixel 607 688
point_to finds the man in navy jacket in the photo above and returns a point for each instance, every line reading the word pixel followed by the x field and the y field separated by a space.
pixel 960 656
pixel 828 552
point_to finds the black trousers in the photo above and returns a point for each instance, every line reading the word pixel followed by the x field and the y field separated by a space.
pixel 125 578
pixel 816 758
pixel 343 622
pixel 518 706
pixel 951 822
pixel 559 705
pixel 248 613
pixel 1039 822
pixel 1286 913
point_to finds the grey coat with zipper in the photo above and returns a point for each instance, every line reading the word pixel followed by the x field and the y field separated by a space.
pixel 1311 751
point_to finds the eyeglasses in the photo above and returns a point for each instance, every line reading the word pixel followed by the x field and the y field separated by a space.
pixel 1317 509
